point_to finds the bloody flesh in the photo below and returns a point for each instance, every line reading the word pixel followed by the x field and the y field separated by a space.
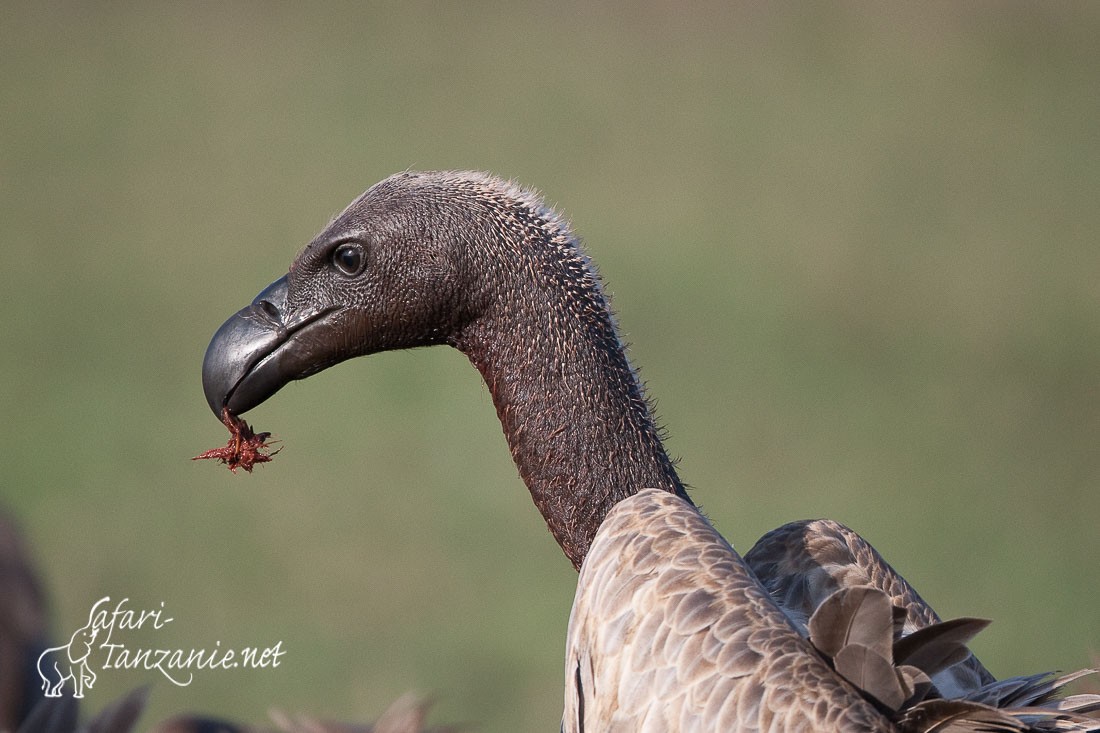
pixel 245 448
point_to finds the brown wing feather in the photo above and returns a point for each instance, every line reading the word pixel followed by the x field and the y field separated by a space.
pixel 803 563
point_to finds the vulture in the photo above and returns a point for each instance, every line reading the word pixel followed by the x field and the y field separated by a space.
pixel 22 626
pixel 671 629
pixel 24 708
pixel 61 715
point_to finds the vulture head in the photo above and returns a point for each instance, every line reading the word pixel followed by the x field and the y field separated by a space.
pixel 393 271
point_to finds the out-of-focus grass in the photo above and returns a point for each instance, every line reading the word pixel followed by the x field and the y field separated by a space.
pixel 854 246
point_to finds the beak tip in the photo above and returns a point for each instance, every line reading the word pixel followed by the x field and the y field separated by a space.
pixel 231 375
pixel 213 385
pixel 225 363
pixel 236 371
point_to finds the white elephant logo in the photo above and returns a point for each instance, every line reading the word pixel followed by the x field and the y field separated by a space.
pixel 69 662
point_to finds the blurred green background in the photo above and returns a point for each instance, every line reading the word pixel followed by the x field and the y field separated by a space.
pixel 854 247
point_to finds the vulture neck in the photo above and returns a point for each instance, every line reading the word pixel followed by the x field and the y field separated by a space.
pixel 573 412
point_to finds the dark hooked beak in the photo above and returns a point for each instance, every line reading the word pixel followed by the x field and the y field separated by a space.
pixel 258 350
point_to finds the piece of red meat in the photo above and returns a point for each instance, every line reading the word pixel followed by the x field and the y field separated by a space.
pixel 245 448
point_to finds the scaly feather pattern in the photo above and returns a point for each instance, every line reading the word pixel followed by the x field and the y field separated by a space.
pixel 670 630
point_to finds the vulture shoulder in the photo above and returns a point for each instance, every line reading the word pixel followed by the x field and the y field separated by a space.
pixel 671 631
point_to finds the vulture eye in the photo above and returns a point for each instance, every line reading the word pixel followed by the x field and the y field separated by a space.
pixel 348 259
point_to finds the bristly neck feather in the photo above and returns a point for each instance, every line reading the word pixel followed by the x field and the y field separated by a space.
pixel 573 411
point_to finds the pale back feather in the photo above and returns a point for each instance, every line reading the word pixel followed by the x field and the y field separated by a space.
pixel 670 630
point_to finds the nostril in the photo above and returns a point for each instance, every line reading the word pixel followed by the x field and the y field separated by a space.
pixel 269 308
